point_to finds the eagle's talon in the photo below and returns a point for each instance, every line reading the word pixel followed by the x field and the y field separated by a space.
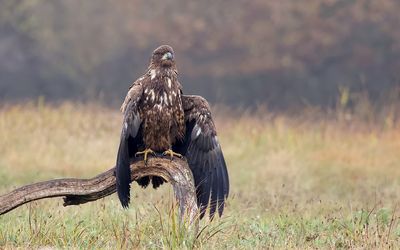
pixel 145 153
pixel 172 154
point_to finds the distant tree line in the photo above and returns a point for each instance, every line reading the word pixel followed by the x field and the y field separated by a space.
pixel 283 54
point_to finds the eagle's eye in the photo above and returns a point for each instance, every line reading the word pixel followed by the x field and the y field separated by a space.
pixel 168 56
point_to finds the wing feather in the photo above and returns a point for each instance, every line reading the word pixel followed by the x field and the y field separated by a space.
pixel 203 152
pixel 215 180
pixel 130 138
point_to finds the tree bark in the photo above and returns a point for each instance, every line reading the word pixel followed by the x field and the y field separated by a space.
pixel 79 191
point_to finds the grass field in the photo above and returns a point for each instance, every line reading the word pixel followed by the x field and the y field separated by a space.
pixel 295 183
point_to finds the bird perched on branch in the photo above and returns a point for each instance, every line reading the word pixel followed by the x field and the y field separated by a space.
pixel 159 119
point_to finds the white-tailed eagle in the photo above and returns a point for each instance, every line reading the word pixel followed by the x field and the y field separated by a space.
pixel 159 119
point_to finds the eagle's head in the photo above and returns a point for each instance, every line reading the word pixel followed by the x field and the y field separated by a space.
pixel 163 56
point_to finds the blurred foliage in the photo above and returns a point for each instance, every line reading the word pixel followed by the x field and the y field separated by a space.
pixel 285 54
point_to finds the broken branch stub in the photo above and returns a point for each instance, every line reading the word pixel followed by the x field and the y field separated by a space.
pixel 79 191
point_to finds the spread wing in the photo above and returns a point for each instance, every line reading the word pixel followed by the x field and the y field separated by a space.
pixel 130 140
pixel 204 155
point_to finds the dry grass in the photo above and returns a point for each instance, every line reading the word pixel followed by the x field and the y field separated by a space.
pixel 295 184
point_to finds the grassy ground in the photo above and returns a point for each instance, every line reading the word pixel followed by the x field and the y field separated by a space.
pixel 295 184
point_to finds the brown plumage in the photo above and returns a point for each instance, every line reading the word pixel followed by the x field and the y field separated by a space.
pixel 158 118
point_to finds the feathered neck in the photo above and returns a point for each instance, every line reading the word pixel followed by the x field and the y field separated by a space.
pixel 158 71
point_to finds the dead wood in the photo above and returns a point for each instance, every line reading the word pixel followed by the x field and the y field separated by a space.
pixel 79 191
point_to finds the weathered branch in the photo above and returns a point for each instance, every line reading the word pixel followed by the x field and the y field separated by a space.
pixel 79 191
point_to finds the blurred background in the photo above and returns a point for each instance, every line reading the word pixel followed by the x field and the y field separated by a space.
pixel 285 55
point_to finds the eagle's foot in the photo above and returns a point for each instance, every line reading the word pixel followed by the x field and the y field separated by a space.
pixel 145 153
pixel 172 154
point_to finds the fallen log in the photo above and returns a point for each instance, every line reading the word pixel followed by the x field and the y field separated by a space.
pixel 79 191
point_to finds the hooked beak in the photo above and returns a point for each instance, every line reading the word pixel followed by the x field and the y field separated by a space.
pixel 168 56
